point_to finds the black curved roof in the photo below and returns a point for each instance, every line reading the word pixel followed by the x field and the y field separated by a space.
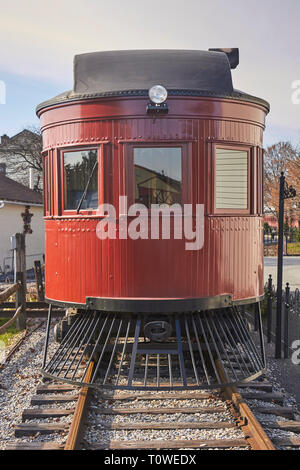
pixel 133 72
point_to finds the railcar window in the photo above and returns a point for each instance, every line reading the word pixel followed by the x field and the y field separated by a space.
pixel 78 167
pixel 157 175
pixel 231 179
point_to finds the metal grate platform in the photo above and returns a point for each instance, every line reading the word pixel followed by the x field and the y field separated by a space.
pixel 125 359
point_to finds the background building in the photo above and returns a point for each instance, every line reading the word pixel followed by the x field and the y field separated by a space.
pixel 292 220
pixel 14 197
pixel 22 156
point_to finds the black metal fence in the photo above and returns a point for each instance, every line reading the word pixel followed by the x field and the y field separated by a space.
pixel 291 240
pixel 290 316
pixel 271 236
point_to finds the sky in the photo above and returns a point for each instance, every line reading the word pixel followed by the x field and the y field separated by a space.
pixel 39 40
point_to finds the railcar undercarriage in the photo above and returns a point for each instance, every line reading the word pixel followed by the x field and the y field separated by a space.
pixel 138 351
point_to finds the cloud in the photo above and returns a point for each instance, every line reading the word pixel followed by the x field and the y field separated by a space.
pixel 39 39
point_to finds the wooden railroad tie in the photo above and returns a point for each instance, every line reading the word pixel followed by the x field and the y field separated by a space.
pixel 37 413
pixel 285 412
pixel 263 386
pixel 47 399
pixel 290 426
pixel 177 444
pixel 52 388
pixel 168 425
pixel 268 397
pixel 31 429
pixel 159 410
pixel 159 396
pixel 34 446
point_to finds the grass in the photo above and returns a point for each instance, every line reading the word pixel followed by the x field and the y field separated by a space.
pixel 8 336
pixel 293 248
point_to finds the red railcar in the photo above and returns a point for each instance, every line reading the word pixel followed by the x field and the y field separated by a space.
pixel 196 145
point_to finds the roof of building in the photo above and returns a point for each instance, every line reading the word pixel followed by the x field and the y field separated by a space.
pixel 12 191
pixel 20 137
pixel 133 72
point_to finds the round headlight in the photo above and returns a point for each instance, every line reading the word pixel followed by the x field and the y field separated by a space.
pixel 158 94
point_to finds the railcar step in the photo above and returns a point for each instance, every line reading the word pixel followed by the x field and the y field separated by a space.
pixel 190 444
pixel 33 413
pixel 46 399
pixel 275 397
pixel 41 428
pixel 286 412
pixel 176 425
pixel 292 426
pixel 34 446
pixel 156 411
pixel 52 388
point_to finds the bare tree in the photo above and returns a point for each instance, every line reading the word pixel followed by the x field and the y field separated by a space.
pixel 21 153
pixel 277 158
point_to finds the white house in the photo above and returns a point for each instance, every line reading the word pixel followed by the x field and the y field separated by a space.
pixel 14 197
pixel 21 154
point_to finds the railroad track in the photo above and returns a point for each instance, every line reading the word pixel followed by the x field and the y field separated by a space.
pixel 225 419
pixel 25 335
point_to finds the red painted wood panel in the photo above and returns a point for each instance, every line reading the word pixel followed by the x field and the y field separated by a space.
pixel 78 264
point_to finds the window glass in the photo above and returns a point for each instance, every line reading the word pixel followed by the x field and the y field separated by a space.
pixel 79 167
pixel 231 179
pixel 157 175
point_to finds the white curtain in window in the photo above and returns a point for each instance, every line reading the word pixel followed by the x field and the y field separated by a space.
pixel 231 179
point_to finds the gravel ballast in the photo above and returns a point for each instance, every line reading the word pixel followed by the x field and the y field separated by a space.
pixel 19 379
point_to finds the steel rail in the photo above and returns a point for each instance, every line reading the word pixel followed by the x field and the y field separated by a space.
pixel 75 431
pixel 6 325
pixel 255 436
pixel 254 433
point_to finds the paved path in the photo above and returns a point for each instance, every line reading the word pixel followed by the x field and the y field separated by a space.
pixel 291 270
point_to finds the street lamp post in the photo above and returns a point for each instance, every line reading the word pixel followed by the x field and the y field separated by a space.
pixel 286 192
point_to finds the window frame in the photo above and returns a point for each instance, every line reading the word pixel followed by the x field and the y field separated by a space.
pixel 233 211
pixel 129 165
pixel 91 211
pixel 260 180
pixel 46 183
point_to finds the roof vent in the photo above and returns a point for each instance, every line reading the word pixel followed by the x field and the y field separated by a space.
pixel 232 54
pixel 4 139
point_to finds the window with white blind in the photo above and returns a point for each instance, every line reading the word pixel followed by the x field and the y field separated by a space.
pixel 231 179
